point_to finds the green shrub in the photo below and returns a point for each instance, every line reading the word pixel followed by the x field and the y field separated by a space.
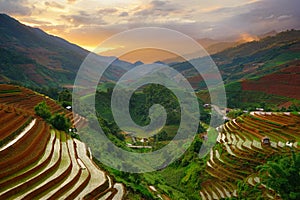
pixel 60 122
pixel 43 110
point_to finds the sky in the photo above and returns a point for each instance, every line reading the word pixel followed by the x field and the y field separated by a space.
pixel 89 22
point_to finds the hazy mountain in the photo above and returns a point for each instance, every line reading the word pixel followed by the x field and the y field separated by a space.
pixel 256 58
pixel 257 73
pixel 215 46
pixel 268 34
pixel 137 63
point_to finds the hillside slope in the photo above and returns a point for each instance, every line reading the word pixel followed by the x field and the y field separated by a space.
pixel 33 57
pixel 240 150
pixel 285 82
pixel 258 73
pixel 40 162
pixel 252 59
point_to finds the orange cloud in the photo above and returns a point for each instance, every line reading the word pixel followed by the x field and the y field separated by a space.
pixel 246 37
pixel 147 55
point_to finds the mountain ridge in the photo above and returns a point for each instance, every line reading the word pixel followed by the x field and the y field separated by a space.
pixel 32 57
pixel 250 59
pixel 45 59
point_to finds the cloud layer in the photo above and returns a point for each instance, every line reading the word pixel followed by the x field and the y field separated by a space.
pixel 218 19
pixel 15 7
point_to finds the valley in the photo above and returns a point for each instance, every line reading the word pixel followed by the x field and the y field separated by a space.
pixel 50 151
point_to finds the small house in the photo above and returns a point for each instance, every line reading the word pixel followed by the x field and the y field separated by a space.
pixel 289 144
pixel 265 140
pixel 144 140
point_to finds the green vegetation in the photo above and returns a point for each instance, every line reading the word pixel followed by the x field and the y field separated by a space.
pixel 65 98
pixel 142 100
pixel 250 100
pixel 293 108
pixel 283 176
pixel 161 136
pixel 10 65
pixel 59 121
pixel 43 111
pixel 244 190
pixel 180 180
pixel 252 59
pixel 280 173
pixel 183 178
pixel 234 113
pixel 140 103
pixel 281 58
pixel 9 91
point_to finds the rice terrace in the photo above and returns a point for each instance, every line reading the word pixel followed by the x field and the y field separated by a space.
pixel 45 162
pixel 149 100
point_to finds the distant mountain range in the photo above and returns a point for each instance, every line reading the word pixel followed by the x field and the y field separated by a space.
pixel 252 59
pixel 33 57
pixel 213 46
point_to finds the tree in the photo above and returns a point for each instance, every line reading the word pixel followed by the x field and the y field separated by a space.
pixel 162 136
pixel 60 122
pixel 201 129
pixel 197 145
pixel 43 110
pixel 65 95
pixel 283 176
pixel 246 191
pixel 293 107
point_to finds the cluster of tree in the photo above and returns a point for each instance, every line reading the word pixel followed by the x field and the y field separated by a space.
pixel 291 108
pixel 65 98
pixel 140 103
pixel 161 136
pixel 108 127
pixel 282 175
pixel 157 94
pixel 49 91
pixel 59 121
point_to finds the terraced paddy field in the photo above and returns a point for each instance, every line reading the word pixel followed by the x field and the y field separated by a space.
pixel 240 150
pixel 39 162
pixel 24 99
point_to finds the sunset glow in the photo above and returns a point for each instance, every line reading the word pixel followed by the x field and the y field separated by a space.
pixel 88 23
